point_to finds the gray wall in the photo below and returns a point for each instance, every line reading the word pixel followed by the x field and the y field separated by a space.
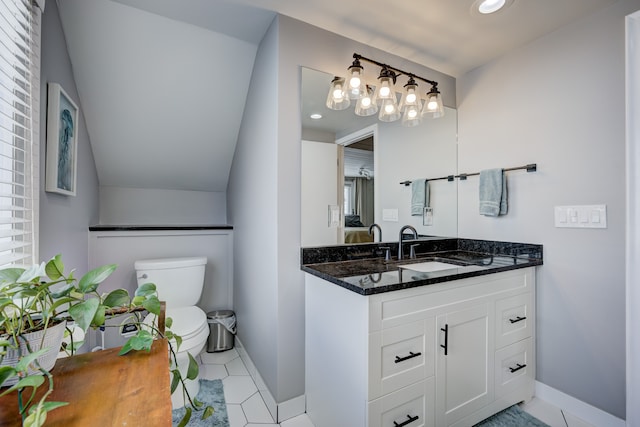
pixel 147 206
pixel 251 204
pixel 64 220
pixel 263 195
pixel 559 102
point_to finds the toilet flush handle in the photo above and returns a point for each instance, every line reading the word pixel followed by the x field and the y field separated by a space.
pixel 144 276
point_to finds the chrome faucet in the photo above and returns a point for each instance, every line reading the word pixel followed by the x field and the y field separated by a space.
pixel 371 227
pixel 415 236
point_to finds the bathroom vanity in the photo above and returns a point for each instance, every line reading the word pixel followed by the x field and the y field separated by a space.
pixel 446 339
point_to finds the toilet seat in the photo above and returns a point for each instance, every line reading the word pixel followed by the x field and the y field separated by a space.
pixel 190 323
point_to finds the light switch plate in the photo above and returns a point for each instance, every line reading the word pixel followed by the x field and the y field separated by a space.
pixel 581 216
pixel 334 215
pixel 390 215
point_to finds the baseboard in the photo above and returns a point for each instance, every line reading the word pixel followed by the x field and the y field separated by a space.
pixel 590 414
pixel 279 411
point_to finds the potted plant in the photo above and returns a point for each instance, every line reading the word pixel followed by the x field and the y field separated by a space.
pixel 35 305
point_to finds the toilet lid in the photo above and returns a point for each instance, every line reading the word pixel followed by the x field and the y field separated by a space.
pixel 187 321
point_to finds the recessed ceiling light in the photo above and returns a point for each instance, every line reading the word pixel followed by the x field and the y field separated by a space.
pixel 486 7
pixel 316 116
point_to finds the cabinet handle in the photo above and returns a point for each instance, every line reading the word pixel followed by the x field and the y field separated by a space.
pixel 410 356
pixel 517 368
pixel 410 419
pixel 446 338
pixel 517 319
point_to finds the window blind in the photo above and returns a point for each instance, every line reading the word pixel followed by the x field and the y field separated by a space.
pixel 19 131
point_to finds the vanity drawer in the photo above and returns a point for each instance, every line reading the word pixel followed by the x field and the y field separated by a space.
pixel 514 319
pixel 400 356
pixel 514 368
pixel 412 406
pixel 391 309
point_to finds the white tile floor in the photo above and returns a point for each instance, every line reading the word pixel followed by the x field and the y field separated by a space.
pixel 246 408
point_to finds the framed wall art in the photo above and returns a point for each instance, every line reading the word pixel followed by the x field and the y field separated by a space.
pixel 62 142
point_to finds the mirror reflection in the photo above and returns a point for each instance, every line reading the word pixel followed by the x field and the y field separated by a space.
pixel 352 167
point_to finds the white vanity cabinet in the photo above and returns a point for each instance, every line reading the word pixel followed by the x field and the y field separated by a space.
pixel 447 354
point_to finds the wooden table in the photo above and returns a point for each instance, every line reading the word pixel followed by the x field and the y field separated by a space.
pixel 104 389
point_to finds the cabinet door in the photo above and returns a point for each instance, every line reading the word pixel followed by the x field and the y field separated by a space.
pixel 464 365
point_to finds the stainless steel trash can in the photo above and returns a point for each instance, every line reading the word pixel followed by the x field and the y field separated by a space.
pixel 222 330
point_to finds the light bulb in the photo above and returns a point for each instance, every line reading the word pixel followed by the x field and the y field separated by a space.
pixel 412 114
pixel 411 98
pixel 354 82
pixel 366 101
pixel 432 104
pixel 389 108
pixel 337 93
pixel 385 91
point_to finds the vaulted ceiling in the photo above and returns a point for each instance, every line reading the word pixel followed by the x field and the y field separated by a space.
pixel 163 83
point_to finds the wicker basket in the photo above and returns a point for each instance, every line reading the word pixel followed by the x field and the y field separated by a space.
pixel 52 340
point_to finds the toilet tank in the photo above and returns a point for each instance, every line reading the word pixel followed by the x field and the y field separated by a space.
pixel 179 281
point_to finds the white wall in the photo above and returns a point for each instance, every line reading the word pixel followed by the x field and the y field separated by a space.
pixel 633 214
pixel 64 221
pixel 144 206
pixel 559 102
pixel 265 175
pixel 425 151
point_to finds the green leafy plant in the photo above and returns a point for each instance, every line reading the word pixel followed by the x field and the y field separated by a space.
pixel 42 296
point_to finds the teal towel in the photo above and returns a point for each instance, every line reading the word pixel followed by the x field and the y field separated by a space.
pixel 493 192
pixel 419 196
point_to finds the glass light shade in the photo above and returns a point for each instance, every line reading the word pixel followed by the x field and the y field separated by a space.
pixel 367 106
pixel 389 111
pixel 385 89
pixel 355 83
pixel 433 107
pixel 410 96
pixel 411 116
pixel 338 99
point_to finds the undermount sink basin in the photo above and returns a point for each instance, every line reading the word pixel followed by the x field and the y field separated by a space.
pixel 429 266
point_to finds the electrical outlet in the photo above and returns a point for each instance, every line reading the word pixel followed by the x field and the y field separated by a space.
pixel 427 216
pixel 128 329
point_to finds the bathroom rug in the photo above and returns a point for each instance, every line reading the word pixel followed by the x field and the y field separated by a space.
pixel 511 417
pixel 211 394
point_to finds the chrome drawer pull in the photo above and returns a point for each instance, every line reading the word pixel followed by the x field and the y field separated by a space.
pixel 410 356
pixel 517 319
pixel 517 368
pixel 410 419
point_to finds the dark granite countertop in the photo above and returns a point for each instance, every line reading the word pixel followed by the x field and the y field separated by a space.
pixel 362 268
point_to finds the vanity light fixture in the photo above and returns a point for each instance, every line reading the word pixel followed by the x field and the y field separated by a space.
pixel 384 99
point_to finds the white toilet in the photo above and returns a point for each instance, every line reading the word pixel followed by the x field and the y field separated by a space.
pixel 179 282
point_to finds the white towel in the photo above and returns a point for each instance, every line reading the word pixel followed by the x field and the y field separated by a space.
pixel 493 192
pixel 419 196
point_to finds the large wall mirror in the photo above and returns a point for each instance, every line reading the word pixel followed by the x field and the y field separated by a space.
pixel 352 167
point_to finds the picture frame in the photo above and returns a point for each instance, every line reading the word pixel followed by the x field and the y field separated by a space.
pixel 62 142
